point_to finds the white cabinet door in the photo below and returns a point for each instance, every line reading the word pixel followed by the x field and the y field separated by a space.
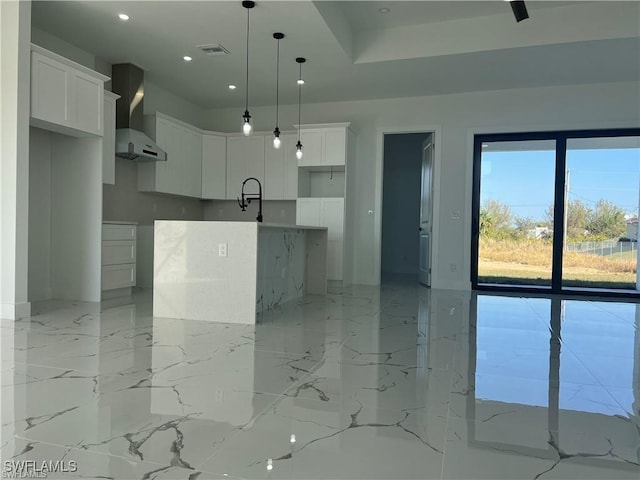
pixel 311 140
pixel 308 212
pixel 290 167
pixel 334 146
pixel 191 169
pixel 334 259
pixel 50 90
pixel 273 187
pixel 281 169
pixel 88 102
pixel 255 157
pixel 168 173
pixel 245 158
pixel 214 167
pixel 236 166
pixel 109 141
pixel 332 217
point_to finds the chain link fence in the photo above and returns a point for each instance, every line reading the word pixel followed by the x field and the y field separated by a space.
pixel 604 248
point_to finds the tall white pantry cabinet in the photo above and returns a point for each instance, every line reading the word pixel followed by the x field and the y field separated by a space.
pixel 326 184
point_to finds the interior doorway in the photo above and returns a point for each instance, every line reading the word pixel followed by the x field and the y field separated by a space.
pixel 405 206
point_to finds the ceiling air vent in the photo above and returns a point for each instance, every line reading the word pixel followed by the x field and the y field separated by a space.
pixel 213 49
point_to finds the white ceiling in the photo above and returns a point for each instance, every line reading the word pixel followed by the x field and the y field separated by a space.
pixel 354 52
pixel 363 15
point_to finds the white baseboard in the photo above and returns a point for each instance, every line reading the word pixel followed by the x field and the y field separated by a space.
pixel 451 285
pixel 15 311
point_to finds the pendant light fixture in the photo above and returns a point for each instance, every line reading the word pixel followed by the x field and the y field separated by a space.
pixel 300 61
pixel 246 124
pixel 276 132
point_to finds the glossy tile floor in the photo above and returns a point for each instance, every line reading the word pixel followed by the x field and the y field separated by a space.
pixel 392 382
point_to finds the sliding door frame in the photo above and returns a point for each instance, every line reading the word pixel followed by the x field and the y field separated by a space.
pixel 560 138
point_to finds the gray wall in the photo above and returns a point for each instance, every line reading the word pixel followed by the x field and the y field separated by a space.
pixel 401 202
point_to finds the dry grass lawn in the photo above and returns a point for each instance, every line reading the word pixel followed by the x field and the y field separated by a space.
pixel 505 261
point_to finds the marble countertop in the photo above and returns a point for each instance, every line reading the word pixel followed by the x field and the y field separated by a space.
pixel 260 224
pixel 294 227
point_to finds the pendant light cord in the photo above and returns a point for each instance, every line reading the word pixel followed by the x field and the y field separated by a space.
pixel 299 100
pixel 246 103
pixel 277 80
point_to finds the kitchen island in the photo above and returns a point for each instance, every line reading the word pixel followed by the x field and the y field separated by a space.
pixel 232 271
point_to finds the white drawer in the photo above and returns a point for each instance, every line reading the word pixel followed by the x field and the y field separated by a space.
pixel 118 232
pixel 117 252
pixel 118 276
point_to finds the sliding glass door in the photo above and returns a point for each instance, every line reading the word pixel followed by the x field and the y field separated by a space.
pixel 602 180
pixel 556 210
pixel 516 212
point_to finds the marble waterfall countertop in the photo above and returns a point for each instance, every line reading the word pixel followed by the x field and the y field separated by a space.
pixel 231 271
pixel 285 225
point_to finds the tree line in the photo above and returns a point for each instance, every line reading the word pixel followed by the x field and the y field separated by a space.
pixel 602 221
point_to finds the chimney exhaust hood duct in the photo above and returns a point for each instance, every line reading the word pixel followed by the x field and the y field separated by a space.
pixel 131 143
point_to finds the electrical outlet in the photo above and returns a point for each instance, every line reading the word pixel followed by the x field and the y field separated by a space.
pixel 452 311
pixel 282 213
pixel 456 215
pixel 453 267
pixel 222 249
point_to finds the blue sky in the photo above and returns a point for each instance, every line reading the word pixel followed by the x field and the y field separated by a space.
pixel 524 180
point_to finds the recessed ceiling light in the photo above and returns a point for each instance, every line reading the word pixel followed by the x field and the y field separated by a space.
pixel 300 82
pixel 384 10
pixel 123 16
pixel 232 87
pixel 187 58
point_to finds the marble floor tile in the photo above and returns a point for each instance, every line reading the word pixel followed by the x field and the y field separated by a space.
pixel 302 438
pixel 389 382
pixel 73 463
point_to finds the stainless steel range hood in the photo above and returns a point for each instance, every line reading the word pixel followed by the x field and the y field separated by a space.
pixel 131 142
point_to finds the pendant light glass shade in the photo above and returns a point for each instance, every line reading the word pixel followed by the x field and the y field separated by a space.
pixel 246 117
pixel 276 131
pixel 300 61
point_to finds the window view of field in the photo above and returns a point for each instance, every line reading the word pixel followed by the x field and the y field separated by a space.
pixel 597 253
pixel 601 214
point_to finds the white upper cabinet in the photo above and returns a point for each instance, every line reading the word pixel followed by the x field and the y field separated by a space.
pixel 245 158
pixel 323 145
pixel 181 173
pixel 66 97
pixel 214 167
pixel 109 139
pixel 281 169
